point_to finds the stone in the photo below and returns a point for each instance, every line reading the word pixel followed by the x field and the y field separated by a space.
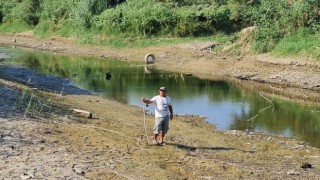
pixel 292 172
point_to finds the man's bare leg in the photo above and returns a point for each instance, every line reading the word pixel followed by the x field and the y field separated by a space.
pixel 162 137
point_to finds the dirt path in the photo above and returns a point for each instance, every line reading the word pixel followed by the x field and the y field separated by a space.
pixel 57 145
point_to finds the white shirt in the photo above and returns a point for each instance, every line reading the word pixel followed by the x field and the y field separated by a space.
pixel 161 105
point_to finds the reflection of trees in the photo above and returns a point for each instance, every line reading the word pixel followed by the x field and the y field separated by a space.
pixel 301 122
pixel 90 72
pixel 297 119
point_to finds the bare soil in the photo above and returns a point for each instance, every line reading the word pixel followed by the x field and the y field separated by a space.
pixel 54 144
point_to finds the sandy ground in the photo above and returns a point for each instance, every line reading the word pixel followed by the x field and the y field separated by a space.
pixel 54 144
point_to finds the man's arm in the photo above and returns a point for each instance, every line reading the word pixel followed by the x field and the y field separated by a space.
pixel 146 101
pixel 171 112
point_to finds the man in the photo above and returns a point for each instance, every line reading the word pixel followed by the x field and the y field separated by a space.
pixel 163 111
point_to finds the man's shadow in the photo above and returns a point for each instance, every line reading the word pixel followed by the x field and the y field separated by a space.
pixel 192 148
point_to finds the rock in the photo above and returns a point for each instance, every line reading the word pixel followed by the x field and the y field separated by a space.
pixel 79 171
pixel 209 46
pixel 47 131
pixel 298 146
pixel 306 165
pixel 206 177
pixel 25 176
pixel 108 75
pixel 192 153
pixel 292 172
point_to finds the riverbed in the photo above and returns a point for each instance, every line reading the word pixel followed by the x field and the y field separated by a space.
pixel 222 102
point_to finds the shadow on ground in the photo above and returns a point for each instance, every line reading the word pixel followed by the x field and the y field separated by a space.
pixel 41 81
pixel 192 148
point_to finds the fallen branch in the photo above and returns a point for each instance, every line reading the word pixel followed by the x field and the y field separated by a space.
pixel 263 109
pixel 268 99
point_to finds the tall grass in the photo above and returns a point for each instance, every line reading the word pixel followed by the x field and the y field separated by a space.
pixel 301 43
pixel 31 104
pixel 127 41
pixel 14 27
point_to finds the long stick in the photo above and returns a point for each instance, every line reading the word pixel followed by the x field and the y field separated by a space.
pixel 145 125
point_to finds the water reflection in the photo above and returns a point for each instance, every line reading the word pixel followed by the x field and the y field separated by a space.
pixel 222 102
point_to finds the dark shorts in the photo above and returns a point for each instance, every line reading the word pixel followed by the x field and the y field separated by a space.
pixel 161 125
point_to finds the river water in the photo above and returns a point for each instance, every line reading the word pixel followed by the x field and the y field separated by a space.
pixel 223 103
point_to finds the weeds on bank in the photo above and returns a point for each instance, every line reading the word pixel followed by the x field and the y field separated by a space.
pixel 31 105
pixel 35 107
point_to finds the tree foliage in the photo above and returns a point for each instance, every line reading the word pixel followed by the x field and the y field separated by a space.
pixel 26 11
pixel 275 19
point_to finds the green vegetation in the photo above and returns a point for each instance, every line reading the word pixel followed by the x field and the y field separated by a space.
pixel 136 22
pixel 32 105
pixel 301 43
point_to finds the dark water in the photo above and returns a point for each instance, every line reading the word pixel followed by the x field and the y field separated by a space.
pixel 222 102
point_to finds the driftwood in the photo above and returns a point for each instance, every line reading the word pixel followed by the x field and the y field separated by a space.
pixel 81 113
pixel 210 46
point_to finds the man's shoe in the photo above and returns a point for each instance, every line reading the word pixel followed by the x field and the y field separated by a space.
pixel 155 142
pixel 162 144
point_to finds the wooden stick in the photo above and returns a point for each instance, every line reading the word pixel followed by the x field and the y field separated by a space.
pixel 145 125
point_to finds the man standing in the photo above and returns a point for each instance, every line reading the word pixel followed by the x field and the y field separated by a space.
pixel 163 111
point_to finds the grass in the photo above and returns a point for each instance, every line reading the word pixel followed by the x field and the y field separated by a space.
pixel 128 41
pixel 31 104
pixel 302 43
pixel 14 27
pixel 47 29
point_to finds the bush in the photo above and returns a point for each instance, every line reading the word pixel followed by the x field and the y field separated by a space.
pixel 111 21
pixel 1 12
pixel 152 19
pixel 194 21
pixel 55 11
pixel 155 20
pixel 83 11
pixel 21 11
pixel 274 20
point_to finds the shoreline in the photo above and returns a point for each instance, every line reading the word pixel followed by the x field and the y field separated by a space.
pixel 294 78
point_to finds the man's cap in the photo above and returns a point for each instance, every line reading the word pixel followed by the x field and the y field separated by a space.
pixel 163 89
